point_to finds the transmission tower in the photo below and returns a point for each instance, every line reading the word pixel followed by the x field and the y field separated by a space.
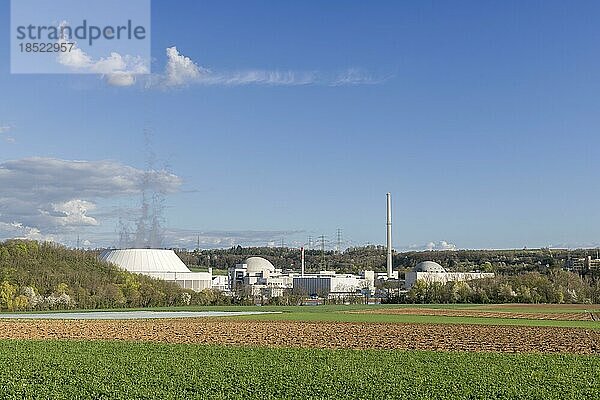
pixel 339 241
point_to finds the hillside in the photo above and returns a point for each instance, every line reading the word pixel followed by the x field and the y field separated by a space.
pixel 41 276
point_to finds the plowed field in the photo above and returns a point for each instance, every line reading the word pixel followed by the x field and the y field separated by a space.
pixel 317 334
pixel 577 316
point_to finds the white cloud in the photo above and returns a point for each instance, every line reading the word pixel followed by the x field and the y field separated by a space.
pixel 4 130
pixel 182 71
pixel 440 245
pixel 16 230
pixel 55 197
pixel 355 76
pixel 117 69
pixel 120 79
pixel 75 213
pixel 75 59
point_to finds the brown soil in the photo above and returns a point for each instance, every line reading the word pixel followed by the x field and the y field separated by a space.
pixel 541 306
pixel 317 334
pixel 577 316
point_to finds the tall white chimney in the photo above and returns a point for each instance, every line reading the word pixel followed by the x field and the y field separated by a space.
pixel 302 272
pixel 389 235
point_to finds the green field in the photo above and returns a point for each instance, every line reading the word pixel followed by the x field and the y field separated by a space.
pixel 115 370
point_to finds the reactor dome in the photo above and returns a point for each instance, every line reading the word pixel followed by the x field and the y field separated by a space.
pixel 145 260
pixel 258 264
pixel 429 266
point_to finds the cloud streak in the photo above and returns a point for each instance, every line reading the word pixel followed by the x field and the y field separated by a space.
pixel 182 71
pixel 222 239
pixel 440 245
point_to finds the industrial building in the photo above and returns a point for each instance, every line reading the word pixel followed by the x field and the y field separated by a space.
pixel 261 278
pixel 329 284
pixel 430 271
pixel 161 264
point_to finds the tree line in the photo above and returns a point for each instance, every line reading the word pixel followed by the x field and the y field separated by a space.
pixel 557 286
pixel 355 259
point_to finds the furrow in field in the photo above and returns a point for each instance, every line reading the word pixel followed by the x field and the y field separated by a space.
pixel 511 339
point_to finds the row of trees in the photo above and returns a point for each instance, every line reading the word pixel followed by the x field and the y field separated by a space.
pixel 531 287
pixel 355 259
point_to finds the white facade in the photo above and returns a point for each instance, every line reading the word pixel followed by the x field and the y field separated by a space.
pixel 220 282
pixel 330 284
pixel 160 264
pixel 429 271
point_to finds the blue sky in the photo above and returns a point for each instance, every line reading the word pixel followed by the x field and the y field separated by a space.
pixel 481 118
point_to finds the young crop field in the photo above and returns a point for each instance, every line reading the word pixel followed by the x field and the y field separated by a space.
pixel 117 370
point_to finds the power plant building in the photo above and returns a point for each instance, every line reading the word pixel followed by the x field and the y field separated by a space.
pixel 260 277
pixel 160 264
pixel 330 284
pixel 430 271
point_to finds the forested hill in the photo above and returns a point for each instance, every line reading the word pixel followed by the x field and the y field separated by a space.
pixel 39 276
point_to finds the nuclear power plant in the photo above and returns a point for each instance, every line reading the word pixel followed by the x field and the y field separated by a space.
pixel 257 276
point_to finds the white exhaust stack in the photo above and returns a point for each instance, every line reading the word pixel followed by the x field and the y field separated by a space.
pixel 302 273
pixel 389 235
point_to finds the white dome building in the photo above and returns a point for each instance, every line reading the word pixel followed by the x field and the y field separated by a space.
pixel 158 263
pixel 261 276
pixel 429 266
pixel 258 265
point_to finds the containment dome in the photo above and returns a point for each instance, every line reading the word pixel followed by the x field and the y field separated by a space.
pixel 429 266
pixel 258 264
pixel 145 260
